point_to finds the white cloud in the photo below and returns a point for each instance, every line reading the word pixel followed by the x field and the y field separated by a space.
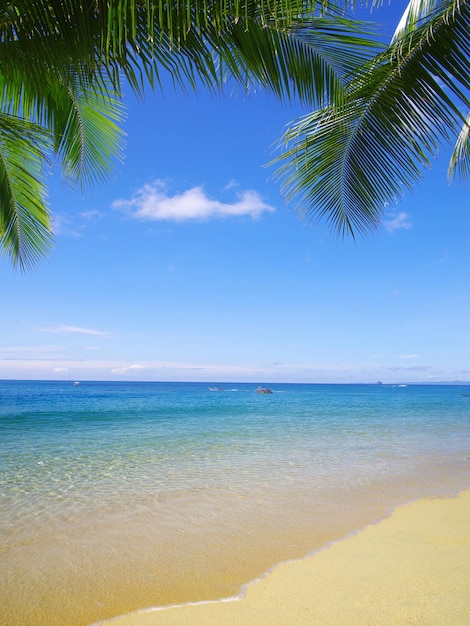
pixel 61 225
pixel 129 368
pixel 397 222
pixel 63 329
pixel 60 369
pixel 153 203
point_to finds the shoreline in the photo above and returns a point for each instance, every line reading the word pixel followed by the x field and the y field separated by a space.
pixel 412 567
pixel 118 499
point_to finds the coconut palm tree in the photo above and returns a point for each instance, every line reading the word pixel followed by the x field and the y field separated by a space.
pixel 346 163
pixel 63 64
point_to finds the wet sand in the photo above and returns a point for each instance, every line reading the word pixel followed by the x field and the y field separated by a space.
pixel 411 568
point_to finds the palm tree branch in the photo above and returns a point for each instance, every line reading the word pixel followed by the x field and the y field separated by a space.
pixel 88 137
pixel 307 62
pixel 348 163
pixel 84 122
pixel 25 228
pixel 191 40
pixel 460 160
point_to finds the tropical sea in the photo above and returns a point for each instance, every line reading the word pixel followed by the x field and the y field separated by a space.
pixel 119 496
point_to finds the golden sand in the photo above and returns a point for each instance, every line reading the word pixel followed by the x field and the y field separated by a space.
pixel 411 568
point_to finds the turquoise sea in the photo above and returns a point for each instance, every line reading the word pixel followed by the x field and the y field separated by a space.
pixel 120 496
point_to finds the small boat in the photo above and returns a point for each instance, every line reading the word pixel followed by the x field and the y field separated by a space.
pixel 216 389
pixel 76 383
pixel 263 390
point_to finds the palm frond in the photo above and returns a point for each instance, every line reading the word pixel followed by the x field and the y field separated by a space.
pixel 25 228
pixel 62 63
pixel 88 137
pixel 459 165
pixel 84 123
pixel 309 62
pixel 132 35
pixel 201 40
pixel 347 163
pixel 415 12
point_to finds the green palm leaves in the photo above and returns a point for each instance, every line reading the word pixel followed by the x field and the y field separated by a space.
pixel 62 63
pixel 54 99
pixel 345 163
pixel 24 219
pixel 459 165
pixel 382 116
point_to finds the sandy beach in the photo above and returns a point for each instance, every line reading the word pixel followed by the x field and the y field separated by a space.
pixel 411 568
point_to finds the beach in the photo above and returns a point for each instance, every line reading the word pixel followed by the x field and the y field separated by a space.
pixel 411 568
pixel 119 497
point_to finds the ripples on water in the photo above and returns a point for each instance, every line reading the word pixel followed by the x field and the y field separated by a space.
pixel 59 440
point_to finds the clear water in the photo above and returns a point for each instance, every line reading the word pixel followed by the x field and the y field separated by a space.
pixel 144 484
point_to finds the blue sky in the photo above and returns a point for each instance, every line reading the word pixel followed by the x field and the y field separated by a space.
pixel 187 265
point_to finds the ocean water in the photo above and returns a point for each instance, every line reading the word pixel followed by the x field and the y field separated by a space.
pixel 120 496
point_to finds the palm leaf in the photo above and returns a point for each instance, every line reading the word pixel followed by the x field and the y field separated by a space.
pixel 307 62
pixel 87 136
pixel 62 63
pixel 347 163
pixel 460 161
pixel 415 12
pixel 25 229
pixel 201 40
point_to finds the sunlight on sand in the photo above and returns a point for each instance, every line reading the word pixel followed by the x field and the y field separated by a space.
pixel 411 568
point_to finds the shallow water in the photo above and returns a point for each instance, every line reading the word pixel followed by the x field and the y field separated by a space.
pixel 118 496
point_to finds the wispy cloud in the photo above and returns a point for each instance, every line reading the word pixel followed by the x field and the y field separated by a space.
pixel 80 369
pixel 231 185
pixel 91 214
pixel 73 226
pixel 409 356
pixel 32 352
pixel 415 368
pixel 62 225
pixel 136 367
pixel 152 202
pixel 400 221
pixel 61 329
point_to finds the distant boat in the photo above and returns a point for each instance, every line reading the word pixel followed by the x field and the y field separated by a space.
pixel 467 395
pixel 216 389
pixel 263 390
pixel 76 383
